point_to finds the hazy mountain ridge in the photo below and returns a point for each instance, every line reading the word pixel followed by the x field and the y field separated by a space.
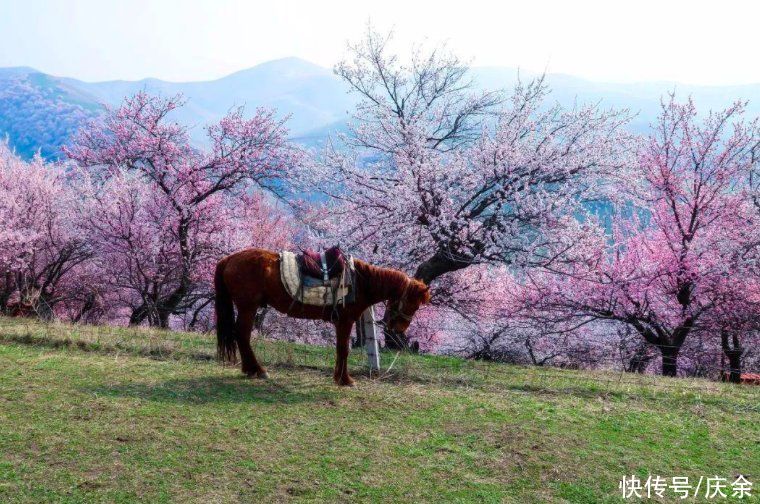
pixel 640 98
pixel 39 111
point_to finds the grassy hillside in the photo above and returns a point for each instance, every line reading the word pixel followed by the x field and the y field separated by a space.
pixel 117 415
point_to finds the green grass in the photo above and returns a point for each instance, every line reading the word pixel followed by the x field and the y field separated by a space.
pixel 120 415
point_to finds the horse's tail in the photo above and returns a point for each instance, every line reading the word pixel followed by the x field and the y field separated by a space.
pixel 226 345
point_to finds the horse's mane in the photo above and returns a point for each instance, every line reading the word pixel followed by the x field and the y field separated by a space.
pixel 391 279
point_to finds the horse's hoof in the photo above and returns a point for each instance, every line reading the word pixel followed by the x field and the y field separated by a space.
pixel 350 383
pixel 262 375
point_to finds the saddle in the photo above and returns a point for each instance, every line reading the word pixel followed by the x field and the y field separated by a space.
pixel 321 279
pixel 326 266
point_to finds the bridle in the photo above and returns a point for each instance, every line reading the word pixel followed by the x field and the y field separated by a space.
pixel 398 311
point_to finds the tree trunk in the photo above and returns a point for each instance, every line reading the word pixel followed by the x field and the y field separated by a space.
pixel 734 353
pixel 162 308
pixel 43 308
pixel 87 306
pixel 734 366
pixel 163 318
pixel 158 314
pixel 640 360
pixel 9 287
pixel 669 360
pixel 197 313
pixel 139 315
pixel 438 264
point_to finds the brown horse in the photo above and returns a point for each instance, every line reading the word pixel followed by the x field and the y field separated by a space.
pixel 250 279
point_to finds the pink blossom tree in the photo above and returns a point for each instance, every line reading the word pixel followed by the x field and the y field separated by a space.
pixel 481 312
pixel 679 257
pixel 436 177
pixel 432 92
pixel 41 244
pixel 259 222
pixel 164 210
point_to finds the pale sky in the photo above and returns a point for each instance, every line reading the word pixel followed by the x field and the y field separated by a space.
pixel 693 42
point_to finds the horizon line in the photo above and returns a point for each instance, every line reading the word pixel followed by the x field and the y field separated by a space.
pixel 328 69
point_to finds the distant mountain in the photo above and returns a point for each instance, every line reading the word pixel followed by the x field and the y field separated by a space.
pixel 39 111
pixel 311 95
pixel 641 98
pixel 312 98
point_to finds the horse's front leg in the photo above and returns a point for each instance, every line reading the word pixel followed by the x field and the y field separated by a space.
pixel 342 347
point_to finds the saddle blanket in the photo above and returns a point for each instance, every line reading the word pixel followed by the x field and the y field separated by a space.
pixel 307 292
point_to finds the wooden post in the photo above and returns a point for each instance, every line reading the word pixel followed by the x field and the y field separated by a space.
pixel 366 333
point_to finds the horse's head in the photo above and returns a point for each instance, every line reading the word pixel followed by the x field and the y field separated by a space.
pixel 400 311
